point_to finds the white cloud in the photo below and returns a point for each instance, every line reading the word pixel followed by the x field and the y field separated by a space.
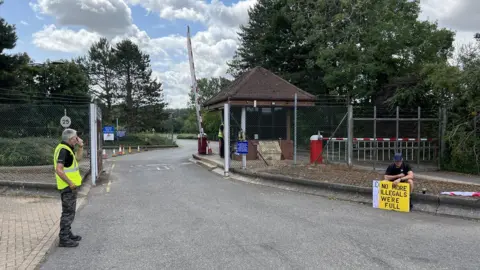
pixel 24 22
pixel 457 15
pixel 212 47
pixel 214 13
pixel 63 39
pixel 108 17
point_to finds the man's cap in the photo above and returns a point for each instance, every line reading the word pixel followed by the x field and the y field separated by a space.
pixel 398 157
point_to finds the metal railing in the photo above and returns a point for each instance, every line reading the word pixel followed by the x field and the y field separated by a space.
pixel 382 149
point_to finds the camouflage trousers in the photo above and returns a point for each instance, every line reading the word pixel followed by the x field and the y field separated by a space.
pixel 69 205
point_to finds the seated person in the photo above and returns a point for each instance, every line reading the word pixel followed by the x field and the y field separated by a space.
pixel 399 171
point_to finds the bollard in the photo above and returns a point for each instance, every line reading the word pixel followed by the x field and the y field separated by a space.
pixel 114 153
pixel 138 148
pixel 104 153
pixel 129 149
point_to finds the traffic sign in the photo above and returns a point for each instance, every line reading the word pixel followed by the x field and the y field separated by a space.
pixel 121 133
pixel 108 137
pixel 65 121
pixel 108 133
pixel 108 129
pixel 242 147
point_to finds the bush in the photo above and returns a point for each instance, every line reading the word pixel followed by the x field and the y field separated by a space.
pixel 30 151
pixel 187 136
pixel 142 139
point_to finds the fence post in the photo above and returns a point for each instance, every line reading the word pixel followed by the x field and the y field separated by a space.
pixel 93 143
pixel 295 131
pixel 397 148
pixel 226 135
pixel 243 122
pixel 350 135
pixel 439 137
pixel 443 130
pixel 375 137
pixel 419 123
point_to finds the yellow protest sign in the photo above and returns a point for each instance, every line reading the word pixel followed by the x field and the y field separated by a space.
pixel 389 197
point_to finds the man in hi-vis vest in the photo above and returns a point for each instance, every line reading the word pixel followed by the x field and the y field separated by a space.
pixel 67 173
pixel 221 140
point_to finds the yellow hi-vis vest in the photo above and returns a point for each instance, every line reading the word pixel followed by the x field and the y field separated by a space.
pixel 220 133
pixel 72 172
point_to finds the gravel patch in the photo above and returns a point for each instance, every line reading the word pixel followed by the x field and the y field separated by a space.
pixel 350 176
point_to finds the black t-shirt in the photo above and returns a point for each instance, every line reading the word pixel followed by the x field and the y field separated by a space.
pixel 394 170
pixel 65 157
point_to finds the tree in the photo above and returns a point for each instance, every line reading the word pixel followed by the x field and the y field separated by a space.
pixel 463 104
pixel 63 79
pixel 208 88
pixel 150 106
pixel 360 48
pixel 276 39
pixel 132 67
pixel 136 89
pixel 9 64
pixel 100 64
pixel 364 47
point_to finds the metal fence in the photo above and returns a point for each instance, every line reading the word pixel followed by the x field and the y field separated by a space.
pixel 378 132
pixel 29 134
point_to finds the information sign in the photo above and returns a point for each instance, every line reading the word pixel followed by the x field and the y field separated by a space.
pixel 389 197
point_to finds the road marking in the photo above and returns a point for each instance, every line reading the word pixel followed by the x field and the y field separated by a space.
pixel 186 163
pixel 108 186
pixel 150 167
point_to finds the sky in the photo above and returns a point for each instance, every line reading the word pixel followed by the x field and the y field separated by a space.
pixel 62 29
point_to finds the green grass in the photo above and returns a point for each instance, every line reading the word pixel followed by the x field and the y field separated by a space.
pixel 142 139
pixel 38 151
pixel 30 151
pixel 187 136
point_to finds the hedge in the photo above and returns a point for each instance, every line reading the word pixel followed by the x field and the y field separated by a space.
pixel 187 137
pixel 142 139
pixel 29 151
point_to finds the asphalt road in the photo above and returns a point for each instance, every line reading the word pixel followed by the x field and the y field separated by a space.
pixel 163 212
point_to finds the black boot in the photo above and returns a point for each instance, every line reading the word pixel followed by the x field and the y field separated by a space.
pixel 76 238
pixel 67 243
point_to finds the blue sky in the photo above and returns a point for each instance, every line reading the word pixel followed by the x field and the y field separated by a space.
pixel 61 29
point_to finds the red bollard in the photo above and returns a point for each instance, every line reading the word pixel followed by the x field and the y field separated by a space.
pixel 202 144
pixel 316 149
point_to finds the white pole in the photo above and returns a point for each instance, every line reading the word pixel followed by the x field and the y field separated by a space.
pixel 226 136
pixel 194 82
pixel 93 143
pixel 295 131
pixel 244 129
pixel 350 135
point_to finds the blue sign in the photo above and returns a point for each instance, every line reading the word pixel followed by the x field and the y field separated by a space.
pixel 121 133
pixel 108 129
pixel 242 147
